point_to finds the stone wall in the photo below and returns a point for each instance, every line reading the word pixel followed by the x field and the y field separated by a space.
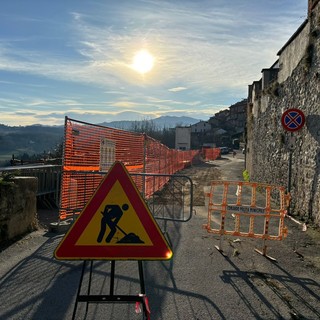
pixel 18 207
pixel 292 54
pixel 267 155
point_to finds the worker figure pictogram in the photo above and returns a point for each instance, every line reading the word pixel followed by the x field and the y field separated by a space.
pixel 112 213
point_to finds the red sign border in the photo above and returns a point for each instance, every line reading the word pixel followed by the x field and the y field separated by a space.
pixel 68 250
pixel 286 113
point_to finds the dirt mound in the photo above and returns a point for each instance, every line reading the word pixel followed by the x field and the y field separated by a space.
pixel 201 176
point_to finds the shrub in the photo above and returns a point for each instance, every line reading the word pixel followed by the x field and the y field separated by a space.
pixel 245 175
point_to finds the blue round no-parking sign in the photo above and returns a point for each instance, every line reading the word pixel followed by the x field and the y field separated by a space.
pixel 293 119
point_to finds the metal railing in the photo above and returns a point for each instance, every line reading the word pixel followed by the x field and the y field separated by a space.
pixel 173 201
pixel 49 179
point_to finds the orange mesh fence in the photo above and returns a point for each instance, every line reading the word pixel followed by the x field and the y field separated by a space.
pixel 210 153
pixel 89 149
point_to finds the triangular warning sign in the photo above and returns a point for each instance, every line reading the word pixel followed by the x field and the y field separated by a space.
pixel 115 224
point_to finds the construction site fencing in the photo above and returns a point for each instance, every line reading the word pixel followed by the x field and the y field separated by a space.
pixel 91 149
pixel 210 153
pixel 247 209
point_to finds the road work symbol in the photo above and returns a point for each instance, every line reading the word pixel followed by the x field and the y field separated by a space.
pixel 111 215
pixel 115 224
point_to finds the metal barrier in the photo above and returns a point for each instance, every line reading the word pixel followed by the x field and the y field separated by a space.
pixel 247 209
pixel 174 201
pixel 170 197
pixel 49 179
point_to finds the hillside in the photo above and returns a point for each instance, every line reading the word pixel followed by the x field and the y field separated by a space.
pixel 31 140
pixel 39 139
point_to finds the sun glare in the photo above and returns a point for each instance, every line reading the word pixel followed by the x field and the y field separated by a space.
pixel 142 62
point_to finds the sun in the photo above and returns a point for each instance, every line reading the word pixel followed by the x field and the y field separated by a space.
pixel 143 61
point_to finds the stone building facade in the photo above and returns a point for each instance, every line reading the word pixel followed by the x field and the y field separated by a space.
pixel 292 82
pixel 221 129
pixel 201 127
pixel 237 116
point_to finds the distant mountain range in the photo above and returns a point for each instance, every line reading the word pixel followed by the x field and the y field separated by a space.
pixel 38 139
pixel 159 123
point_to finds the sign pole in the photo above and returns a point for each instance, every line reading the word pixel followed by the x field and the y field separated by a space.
pixel 289 176
pixel 292 120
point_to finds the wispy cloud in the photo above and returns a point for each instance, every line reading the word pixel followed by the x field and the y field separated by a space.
pixel 177 89
pixel 203 48
pixel 206 53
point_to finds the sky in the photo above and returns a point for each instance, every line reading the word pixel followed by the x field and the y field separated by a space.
pixel 75 58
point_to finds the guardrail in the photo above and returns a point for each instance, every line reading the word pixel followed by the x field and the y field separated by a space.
pixel 49 179
pixel 169 197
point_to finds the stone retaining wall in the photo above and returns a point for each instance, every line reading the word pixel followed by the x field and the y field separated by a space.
pixel 18 207
pixel 267 154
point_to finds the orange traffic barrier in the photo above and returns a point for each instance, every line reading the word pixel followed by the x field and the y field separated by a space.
pixel 210 153
pixel 247 209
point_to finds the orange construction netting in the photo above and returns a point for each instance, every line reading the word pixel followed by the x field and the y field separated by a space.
pixel 210 153
pixel 90 150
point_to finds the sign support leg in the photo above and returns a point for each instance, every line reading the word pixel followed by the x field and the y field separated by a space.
pixel 263 252
pixel 219 247
pixel 89 286
pixel 113 265
pixel 145 304
pixel 141 276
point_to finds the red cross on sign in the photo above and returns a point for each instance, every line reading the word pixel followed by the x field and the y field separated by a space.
pixel 293 119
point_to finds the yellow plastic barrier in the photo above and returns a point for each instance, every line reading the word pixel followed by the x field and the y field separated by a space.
pixel 247 209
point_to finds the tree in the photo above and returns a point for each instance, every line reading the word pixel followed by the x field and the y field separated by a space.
pixel 166 135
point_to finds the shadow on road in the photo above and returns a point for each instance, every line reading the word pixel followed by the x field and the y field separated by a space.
pixel 298 295
pixel 37 286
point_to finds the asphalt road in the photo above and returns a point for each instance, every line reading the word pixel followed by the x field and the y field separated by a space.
pixel 197 283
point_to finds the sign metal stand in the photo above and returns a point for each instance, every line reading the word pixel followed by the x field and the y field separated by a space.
pixel 140 299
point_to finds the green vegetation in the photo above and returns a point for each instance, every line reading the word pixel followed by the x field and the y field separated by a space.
pixel 246 176
pixel 7 176
pixel 28 143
